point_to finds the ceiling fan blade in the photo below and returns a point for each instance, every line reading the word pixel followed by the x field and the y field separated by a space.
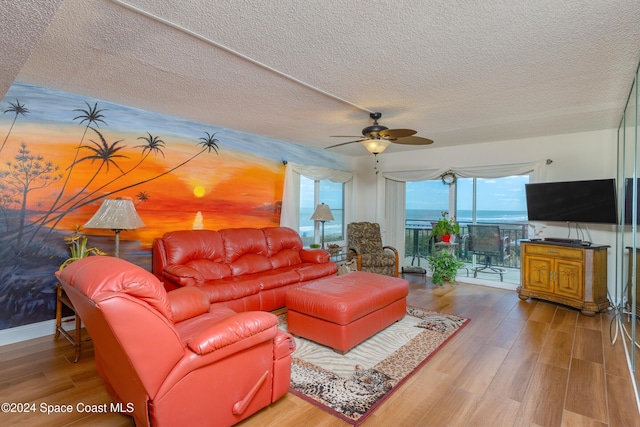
pixel 344 143
pixel 414 140
pixel 396 133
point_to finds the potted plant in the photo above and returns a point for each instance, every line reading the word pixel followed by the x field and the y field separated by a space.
pixel 444 265
pixel 78 248
pixel 445 227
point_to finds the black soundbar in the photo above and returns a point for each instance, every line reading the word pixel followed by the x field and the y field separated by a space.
pixel 563 240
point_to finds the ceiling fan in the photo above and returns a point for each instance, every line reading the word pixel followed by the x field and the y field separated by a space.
pixel 377 137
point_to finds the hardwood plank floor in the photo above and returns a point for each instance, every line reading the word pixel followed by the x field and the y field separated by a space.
pixel 518 363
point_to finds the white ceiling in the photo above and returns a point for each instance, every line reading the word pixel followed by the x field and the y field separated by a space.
pixel 457 71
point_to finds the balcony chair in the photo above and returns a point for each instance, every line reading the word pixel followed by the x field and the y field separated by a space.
pixel 485 241
pixel 364 243
pixel 169 358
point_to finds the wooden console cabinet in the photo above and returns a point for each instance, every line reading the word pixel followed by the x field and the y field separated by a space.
pixel 569 274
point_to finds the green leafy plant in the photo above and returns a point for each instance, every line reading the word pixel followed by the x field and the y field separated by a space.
pixel 78 248
pixel 446 225
pixel 315 246
pixel 444 265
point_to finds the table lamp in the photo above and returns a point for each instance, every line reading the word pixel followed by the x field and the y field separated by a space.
pixel 322 214
pixel 117 215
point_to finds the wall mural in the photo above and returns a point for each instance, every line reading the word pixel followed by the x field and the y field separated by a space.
pixel 61 155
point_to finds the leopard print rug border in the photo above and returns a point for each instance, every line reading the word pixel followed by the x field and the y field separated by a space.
pixel 350 386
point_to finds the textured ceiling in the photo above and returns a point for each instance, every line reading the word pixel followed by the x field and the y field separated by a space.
pixel 457 71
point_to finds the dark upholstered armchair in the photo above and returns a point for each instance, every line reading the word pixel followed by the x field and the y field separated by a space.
pixel 485 241
pixel 365 244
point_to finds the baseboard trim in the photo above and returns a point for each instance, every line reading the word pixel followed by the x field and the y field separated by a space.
pixel 28 332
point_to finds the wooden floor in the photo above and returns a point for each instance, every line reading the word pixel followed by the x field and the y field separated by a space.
pixel 518 363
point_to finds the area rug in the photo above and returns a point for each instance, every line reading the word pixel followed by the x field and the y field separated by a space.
pixel 353 385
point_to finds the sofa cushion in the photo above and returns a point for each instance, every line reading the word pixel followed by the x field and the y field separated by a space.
pixel 230 289
pixel 281 238
pixel 183 275
pixel 183 246
pixel 209 269
pixel 241 241
pixel 275 278
pixel 250 263
pixel 285 258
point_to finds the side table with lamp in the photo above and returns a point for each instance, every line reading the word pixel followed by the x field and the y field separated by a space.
pixel 114 214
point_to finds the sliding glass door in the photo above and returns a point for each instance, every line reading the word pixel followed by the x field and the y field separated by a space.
pixel 471 200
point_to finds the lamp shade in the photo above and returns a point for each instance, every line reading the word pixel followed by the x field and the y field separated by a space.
pixel 116 214
pixel 322 213
pixel 375 146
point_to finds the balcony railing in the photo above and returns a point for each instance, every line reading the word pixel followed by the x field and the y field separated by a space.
pixel 419 243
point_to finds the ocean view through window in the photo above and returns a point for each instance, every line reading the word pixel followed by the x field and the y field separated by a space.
pixel 500 201
pixel 312 193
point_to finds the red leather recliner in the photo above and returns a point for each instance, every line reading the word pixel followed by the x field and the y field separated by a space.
pixel 170 359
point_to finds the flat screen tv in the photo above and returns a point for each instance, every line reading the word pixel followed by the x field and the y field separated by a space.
pixel 592 201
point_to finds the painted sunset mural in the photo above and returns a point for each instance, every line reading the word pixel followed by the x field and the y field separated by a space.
pixel 61 155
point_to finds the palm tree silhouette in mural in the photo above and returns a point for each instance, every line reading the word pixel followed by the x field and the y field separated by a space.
pixel 101 151
pixel 28 173
pixel 18 109
pixel 143 197
pixel 154 145
pixel 90 116
pixel 209 143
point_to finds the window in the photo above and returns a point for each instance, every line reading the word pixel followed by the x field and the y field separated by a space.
pixel 492 200
pixel 313 193
pixel 426 200
pixel 499 201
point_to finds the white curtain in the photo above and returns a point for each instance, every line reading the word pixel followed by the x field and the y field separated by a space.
pixel 394 217
pixel 290 215
pixel 536 170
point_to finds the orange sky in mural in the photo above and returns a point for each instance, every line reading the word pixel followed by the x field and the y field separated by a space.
pixel 230 183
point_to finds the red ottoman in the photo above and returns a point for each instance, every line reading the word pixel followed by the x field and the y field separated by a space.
pixel 342 311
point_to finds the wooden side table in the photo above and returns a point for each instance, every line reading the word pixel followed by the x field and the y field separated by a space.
pixel 75 340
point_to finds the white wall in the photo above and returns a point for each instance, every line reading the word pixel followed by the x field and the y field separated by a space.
pixel 576 156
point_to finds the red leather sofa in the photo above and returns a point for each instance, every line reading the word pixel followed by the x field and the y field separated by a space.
pixel 170 358
pixel 240 268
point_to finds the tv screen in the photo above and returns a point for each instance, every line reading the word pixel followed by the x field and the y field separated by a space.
pixel 592 201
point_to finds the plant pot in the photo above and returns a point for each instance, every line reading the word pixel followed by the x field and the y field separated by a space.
pixel 446 238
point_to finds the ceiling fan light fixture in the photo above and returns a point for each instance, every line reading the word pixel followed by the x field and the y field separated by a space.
pixel 375 146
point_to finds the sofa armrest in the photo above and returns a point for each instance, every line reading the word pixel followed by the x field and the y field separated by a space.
pixel 318 256
pixel 231 330
pixel 183 275
pixel 187 302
